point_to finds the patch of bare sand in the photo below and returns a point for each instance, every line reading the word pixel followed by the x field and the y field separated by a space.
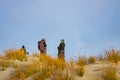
pixel 92 71
pixel 5 75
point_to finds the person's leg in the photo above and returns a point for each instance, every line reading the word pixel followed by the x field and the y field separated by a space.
pixel 62 55
pixel 41 51
pixel 58 55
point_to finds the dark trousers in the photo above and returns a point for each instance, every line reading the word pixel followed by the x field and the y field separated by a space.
pixel 43 51
pixel 61 54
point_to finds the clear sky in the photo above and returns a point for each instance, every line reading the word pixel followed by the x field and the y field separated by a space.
pixel 87 26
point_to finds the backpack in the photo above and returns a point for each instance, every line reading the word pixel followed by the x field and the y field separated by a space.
pixel 41 45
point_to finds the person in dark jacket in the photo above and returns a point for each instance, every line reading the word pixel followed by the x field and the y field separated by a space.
pixel 61 49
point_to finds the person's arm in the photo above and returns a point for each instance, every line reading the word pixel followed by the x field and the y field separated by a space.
pixel 59 47
pixel 39 45
pixel 45 44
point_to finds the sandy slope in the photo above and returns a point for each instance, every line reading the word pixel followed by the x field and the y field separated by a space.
pixel 92 71
pixel 4 75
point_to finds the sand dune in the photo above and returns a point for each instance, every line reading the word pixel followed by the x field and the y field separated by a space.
pixel 92 71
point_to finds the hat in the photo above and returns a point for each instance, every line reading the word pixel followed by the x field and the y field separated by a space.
pixel 62 40
pixel 23 46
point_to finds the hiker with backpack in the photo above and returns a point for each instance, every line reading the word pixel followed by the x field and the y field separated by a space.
pixel 45 45
pixel 61 50
pixel 42 46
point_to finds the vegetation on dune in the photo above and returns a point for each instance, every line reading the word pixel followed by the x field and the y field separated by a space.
pixel 109 73
pixel 44 73
pixel 81 71
pixel 51 68
pixel 101 57
pixel 112 55
pixel 15 54
pixel 46 67
pixel 5 64
pixel 91 60
pixel 81 63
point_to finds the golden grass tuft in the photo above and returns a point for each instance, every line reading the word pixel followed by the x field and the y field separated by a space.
pixel 91 60
pixel 52 62
pixel 43 74
pixel 112 55
pixel 61 75
pixel 4 64
pixel 24 70
pixel 19 73
pixel 109 73
pixel 81 61
pixel 51 67
pixel 81 71
pixel 15 54
pixel 31 69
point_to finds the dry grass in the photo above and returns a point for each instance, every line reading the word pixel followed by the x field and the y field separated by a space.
pixel 81 71
pixel 43 74
pixel 52 62
pixel 1 56
pixel 81 61
pixel 101 57
pixel 109 73
pixel 91 60
pixel 32 69
pixel 15 54
pixel 42 69
pixel 4 64
pixel 23 71
pixel 112 55
pixel 60 76
pixel 19 73
pixel 51 68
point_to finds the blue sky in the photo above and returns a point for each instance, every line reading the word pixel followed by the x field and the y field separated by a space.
pixel 87 26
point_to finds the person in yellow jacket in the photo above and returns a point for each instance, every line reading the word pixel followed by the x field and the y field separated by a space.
pixel 23 52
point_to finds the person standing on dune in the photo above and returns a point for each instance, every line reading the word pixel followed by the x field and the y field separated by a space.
pixel 42 46
pixel 61 50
